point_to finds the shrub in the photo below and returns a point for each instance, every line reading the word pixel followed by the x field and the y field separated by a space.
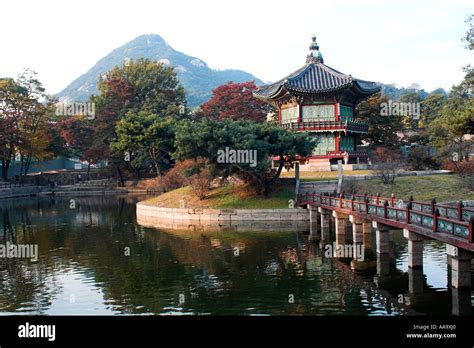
pixel 464 169
pixel 201 183
pixel 189 172
pixel 419 158
pixel 387 161
pixel 176 176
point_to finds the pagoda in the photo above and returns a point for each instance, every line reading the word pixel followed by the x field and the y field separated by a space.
pixel 321 100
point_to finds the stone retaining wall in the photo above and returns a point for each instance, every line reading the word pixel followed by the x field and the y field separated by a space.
pixel 76 190
pixel 24 191
pixel 145 211
pixel 223 226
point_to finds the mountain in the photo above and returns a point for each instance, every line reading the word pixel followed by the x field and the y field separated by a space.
pixel 194 74
pixel 394 93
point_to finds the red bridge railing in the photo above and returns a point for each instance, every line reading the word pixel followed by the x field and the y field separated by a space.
pixel 455 220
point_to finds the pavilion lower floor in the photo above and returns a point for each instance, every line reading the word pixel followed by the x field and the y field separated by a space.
pixel 351 160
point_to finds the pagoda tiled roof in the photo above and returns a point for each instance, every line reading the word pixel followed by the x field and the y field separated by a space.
pixel 316 78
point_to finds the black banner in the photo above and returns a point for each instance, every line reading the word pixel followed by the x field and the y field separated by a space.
pixel 204 330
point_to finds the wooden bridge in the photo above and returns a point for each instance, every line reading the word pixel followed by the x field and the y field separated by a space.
pixel 452 225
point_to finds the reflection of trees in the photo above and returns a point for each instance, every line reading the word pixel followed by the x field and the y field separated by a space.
pixel 89 209
pixel 20 280
pixel 8 232
pixel 25 285
pixel 164 264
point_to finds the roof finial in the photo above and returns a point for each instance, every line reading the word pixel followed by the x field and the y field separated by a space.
pixel 314 55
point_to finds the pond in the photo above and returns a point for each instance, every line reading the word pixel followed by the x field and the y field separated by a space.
pixel 93 258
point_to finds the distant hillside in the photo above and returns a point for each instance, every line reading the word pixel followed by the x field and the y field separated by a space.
pixel 394 93
pixel 195 75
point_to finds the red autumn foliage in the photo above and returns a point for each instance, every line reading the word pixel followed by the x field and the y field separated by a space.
pixel 235 100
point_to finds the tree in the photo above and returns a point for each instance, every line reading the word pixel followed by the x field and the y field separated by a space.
pixel 455 120
pixel 77 132
pixel 439 91
pixel 10 112
pixel 148 137
pixel 26 112
pixel 382 129
pixel 209 138
pixel 413 98
pixel 420 158
pixel 235 100
pixel 139 86
pixel 469 37
pixel 431 108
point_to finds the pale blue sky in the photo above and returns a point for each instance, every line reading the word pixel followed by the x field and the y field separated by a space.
pixel 400 41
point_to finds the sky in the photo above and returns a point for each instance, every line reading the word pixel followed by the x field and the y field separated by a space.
pixel 401 42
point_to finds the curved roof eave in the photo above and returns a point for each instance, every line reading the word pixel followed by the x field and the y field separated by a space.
pixel 366 87
pixel 316 78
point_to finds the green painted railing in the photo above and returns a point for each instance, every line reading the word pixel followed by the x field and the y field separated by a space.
pixel 455 220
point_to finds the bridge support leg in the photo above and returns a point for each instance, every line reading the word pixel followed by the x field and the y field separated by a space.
pixel 367 235
pixel 314 234
pixel 357 237
pixel 460 266
pixel 341 223
pixel 415 280
pixel 383 264
pixel 461 301
pixel 349 232
pixel 415 248
pixel 357 229
pixel 325 223
pixel 382 237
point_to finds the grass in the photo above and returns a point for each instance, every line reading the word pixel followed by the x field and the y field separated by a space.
pixel 227 197
pixel 319 176
pixel 423 188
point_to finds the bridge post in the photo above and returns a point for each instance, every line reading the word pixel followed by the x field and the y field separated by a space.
pixel 357 239
pixel 415 280
pixel 366 227
pixel 341 222
pixel 313 214
pixel 382 237
pixel 415 248
pixel 460 262
pixel 357 230
pixel 461 301
pixel 325 222
pixel 313 223
pixel 367 234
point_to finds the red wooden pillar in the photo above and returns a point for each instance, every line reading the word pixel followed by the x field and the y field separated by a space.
pixel 338 143
pixel 385 205
pixel 279 115
pixel 471 230
pixel 300 113
pixel 460 206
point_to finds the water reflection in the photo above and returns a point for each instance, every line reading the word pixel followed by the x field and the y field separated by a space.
pixel 84 268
